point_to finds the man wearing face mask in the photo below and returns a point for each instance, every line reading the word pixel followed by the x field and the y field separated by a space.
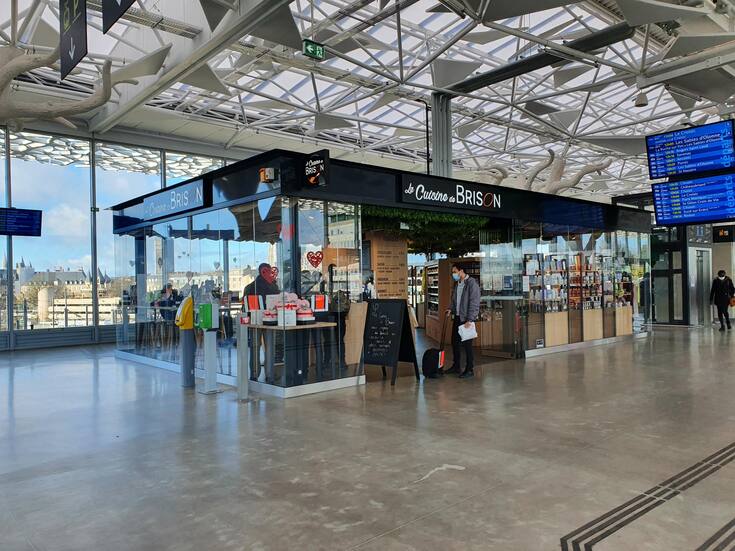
pixel 465 309
pixel 720 294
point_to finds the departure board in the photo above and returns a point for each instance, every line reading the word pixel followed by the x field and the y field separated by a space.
pixel 691 150
pixel 25 222
pixel 709 199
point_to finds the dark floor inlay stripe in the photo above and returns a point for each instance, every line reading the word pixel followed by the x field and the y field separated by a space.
pixel 587 536
pixel 720 540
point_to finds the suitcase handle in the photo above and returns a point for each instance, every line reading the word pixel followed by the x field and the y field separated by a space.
pixel 447 315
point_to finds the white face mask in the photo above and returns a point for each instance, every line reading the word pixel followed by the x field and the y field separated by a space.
pixel 721 278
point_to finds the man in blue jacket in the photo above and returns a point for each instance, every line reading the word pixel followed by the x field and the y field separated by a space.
pixel 465 309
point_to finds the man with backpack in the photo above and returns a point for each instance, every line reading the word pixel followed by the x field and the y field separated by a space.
pixel 720 295
pixel 465 308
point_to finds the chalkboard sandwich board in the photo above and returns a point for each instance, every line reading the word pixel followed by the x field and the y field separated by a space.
pixel 388 336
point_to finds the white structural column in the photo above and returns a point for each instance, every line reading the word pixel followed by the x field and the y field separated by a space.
pixel 441 127
pixel 186 55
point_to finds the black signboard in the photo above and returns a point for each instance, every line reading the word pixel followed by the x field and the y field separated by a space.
pixel 388 336
pixel 723 234
pixel 25 222
pixel 316 169
pixel 451 193
pixel 175 200
pixel 73 31
pixel 112 10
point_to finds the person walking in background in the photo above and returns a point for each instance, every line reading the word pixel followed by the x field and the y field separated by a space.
pixel 722 291
pixel 465 309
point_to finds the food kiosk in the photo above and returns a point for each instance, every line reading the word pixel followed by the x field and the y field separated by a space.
pixel 277 238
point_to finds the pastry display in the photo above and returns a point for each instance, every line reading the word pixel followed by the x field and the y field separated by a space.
pixel 270 317
pixel 304 313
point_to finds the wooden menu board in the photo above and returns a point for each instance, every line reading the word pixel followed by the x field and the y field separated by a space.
pixel 388 336
pixel 389 262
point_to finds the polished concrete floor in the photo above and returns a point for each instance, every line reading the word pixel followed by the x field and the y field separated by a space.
pixel 630 440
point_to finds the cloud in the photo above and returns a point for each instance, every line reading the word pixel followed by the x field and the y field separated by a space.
pixel 67 221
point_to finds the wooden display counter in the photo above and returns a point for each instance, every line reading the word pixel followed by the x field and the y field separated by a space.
pixel 608 322
pixel 535 330
pixel 592 324
pixel 556 328
pixel 623 320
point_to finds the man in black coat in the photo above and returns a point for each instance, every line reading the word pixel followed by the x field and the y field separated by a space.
pixel 720 294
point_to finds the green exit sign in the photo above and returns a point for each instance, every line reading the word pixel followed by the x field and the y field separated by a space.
pixel 314 50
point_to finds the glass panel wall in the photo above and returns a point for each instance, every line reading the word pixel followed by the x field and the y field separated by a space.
pixel 305 324
pixel 53 274
pixel 122 173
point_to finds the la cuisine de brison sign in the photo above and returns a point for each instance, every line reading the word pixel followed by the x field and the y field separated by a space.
pixel 462 196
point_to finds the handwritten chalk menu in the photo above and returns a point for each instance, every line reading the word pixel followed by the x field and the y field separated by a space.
pixel 388 338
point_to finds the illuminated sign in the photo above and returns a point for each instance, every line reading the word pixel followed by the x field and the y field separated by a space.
pixel 723 234
pixel 691 150
pixel 709 199
pixel 316 169
pixel 313 50
pixel 25 222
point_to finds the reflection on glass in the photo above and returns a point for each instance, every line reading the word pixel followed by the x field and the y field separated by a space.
pixel 183 166
pixel 122 173
pixel 661 299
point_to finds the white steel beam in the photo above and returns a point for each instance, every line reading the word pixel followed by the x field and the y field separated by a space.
pixel 710 59
pixel 186 55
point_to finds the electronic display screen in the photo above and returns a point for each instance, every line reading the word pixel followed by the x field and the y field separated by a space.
pixel 691 150
pixel 24 222
pixel 708 199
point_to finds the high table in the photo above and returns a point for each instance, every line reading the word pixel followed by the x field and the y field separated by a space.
pixel 296 357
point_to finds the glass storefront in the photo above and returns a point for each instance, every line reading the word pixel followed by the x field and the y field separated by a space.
pixel 240 254
pixel 562 285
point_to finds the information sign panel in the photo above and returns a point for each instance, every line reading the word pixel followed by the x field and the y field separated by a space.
pixel 73 34
pixel 709 199
pixel 691 150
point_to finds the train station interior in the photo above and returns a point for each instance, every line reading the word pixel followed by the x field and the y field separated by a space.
pixel 367 275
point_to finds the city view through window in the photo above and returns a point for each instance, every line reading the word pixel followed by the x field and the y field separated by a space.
pixel 54 277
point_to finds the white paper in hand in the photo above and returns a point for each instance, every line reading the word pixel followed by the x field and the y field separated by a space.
pixel 466 333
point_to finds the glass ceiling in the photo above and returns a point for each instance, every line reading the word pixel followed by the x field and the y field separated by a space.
pixel 372 87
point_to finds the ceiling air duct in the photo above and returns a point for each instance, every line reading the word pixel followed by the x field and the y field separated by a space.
pixel 589 43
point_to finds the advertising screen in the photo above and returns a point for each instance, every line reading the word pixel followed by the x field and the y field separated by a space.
pixel 709 199
pixel 691 150
pixel 24 222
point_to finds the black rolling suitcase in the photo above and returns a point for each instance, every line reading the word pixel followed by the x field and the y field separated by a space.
pixel 432 363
